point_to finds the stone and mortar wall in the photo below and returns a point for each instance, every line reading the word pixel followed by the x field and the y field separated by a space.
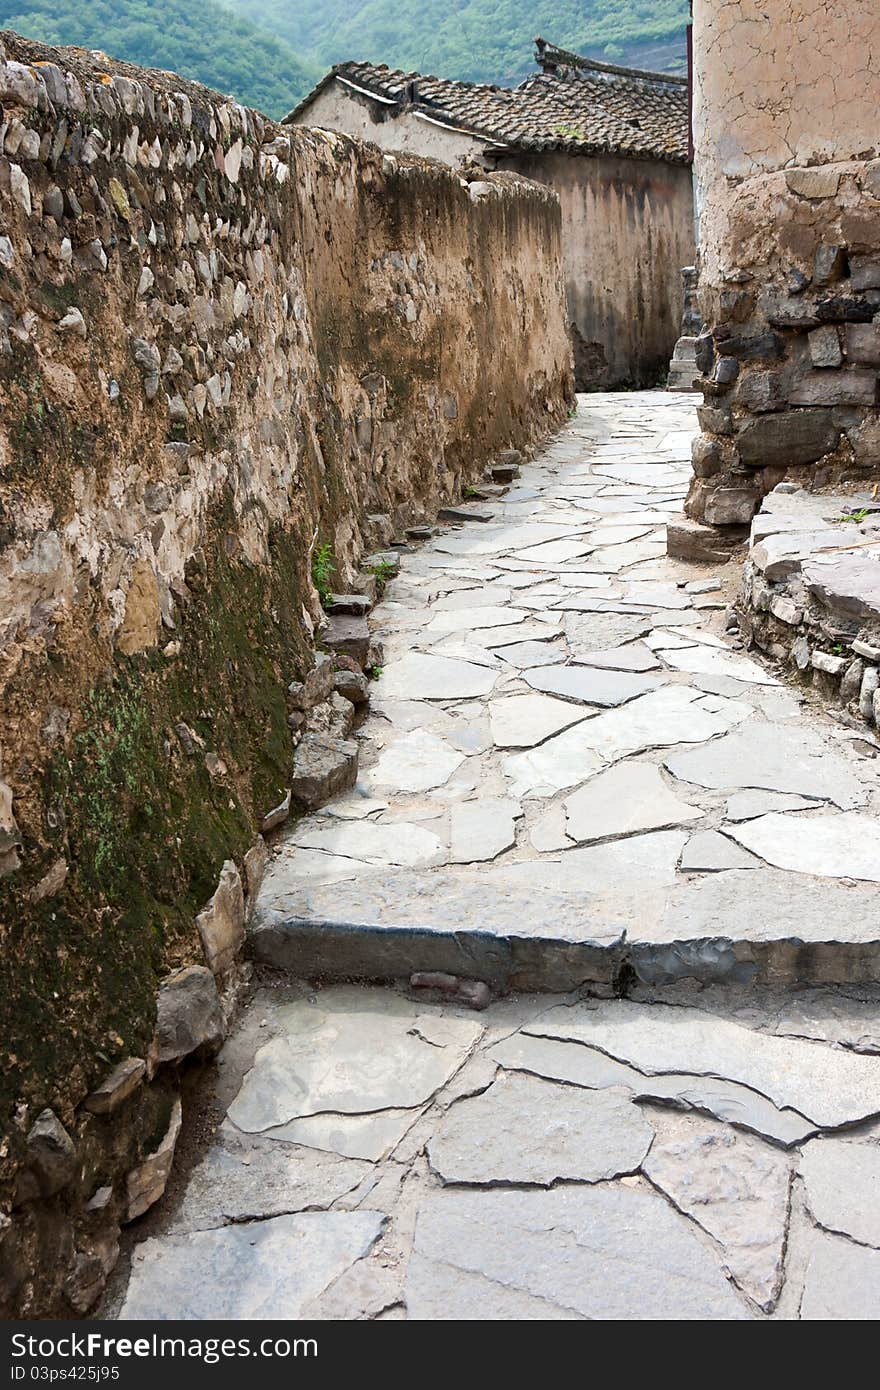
pixel 788 193
pixel 223 343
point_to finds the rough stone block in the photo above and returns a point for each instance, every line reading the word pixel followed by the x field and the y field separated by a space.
pixel 827 662
pixel 116 1087
pixel 51 1155
pixel 751 347
pixel 354 605
pixel 825 348
pixel 731 506
pixel 829 264
pixel 786 610
pixel 706 456
pixel 821 182
pixel 761 391
pixel 323 767
pixel 793 437
pixel 689 540
pixel 189 1018
pixel 863 343
pixel 864 272
pixel 353 686
pixel 146 1183
pixel 348 636
pixel 852 386
pixel 844 308
pixel 850 586
pixel 221 923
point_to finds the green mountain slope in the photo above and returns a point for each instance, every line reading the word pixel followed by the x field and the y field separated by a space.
pixel 483 40
pixel 206 42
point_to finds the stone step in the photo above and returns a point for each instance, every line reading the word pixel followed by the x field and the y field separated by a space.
pixel 542 925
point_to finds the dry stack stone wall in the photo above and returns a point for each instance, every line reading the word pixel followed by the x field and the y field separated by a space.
pixel 787 175
pixel 225 347
pixel 790 365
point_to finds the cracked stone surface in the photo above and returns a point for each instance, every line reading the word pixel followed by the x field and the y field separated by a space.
pixel 829 1087
pixel 387 1154
pixel 842 1182
pixel 736 1188
pixel 524 1130
pixel 603 1252
pixel 254 1272
pixel 382 1060
pixel 626 799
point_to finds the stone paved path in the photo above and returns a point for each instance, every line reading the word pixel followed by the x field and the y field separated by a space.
pixel 571 779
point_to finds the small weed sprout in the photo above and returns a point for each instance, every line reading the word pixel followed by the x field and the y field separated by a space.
pixel 323 569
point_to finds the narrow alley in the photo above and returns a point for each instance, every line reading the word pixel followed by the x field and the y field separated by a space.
pixel 575 785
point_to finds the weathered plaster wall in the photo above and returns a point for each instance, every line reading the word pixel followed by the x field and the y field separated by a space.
pixel 788 180
pixel 627 229
pixel 342 107
pixel 222 342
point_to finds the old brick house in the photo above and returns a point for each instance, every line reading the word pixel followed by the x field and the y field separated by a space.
pixel 612 142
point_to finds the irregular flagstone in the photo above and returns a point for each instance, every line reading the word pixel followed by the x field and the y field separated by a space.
pixel 563 761
pixel 258 1271
pixel 421 676
pixel 483 829
pixel 736 1188
pixel 592 685
pixel 526 1130
pixel 709 661
pixel 300 866
pixel 656 594
pixel 467 599
pixel 614 558
pixel 500 637
pixel 601 1252
pixel 547 832
pixel 473 618
pixel 670 715
pixel 526 654
pixel 633 657
pixel 554 552
pixel 827 1085
pixel 413 763
pixel 521 721
pixel 711 853
pixel 750 805
pixel 661 639
pixel 842 1182
pixel 407 845
pixel 842 1280
pixel 626 799
pixel 618 535
pixel 779 759
pixel 369 1137
pixel 350 1051
pixel 246 1181
pixel 588 631
pixel 580 1065
pixel 846 845
pixel 436 1290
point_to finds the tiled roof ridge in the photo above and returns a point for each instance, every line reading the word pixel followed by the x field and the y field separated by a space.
pixel 639 119
pixel 546 52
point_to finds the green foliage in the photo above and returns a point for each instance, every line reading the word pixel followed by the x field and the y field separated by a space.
pixel 382 571
pixel 323 569
pixel 858 515
pixel 205 42
pixel 478 40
